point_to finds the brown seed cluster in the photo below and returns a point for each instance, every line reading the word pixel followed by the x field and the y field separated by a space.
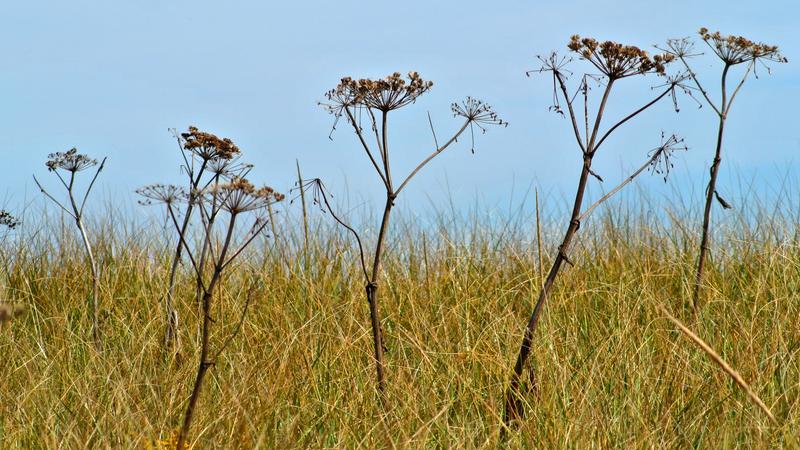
pixel 618 61
pixel 208 146
pixel 240 195
pixel 71 161
pixel 390 93
pixel 737 49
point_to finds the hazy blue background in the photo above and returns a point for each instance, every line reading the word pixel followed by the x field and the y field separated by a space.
pixel 111 78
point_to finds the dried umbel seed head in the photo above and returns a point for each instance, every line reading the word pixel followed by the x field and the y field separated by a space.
pixel 737 49
pixel 477 112
pixel 661 163
pixel 387 94
pixel 167 194
pixel 208 146
pixel 7 220
pixel 71 161
pixel 619 61
pixel 240 195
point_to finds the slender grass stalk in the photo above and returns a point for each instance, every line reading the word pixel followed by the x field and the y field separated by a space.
pixel 305 215
pixel 721 363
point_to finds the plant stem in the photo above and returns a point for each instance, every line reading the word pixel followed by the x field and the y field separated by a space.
pixel 171 338
pixel 712 186
pixel 514 409
pixel 95 283
pixel 372 298
pixel 711 191
pixel 205 363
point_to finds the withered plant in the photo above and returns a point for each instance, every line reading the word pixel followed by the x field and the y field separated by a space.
pixel 732 51
pixel 70 163
pixel 223 207
pixel 366 105
pixel 614 62
pixel 207 160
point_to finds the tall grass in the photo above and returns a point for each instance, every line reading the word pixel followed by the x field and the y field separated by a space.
pixel 619 374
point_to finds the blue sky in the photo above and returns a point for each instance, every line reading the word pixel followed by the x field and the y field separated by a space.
pixel 112 77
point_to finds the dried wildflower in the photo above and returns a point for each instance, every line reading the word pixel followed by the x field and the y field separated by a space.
pixel 167 194
pixel 661 156
pixel 208 146
pixel 737 49
pixel 71 161
pixel 239 195
pixel 478 114
pixel 7 220
pixel 619 61
pixel 387 94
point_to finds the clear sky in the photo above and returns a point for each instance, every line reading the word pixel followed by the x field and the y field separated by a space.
pixel 111 77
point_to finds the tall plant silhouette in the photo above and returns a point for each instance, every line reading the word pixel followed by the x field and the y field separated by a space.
pixel 207 160
pixel 366 105
pixel 223 207
pixel 732 51
pixel 614 62
pixel 71 163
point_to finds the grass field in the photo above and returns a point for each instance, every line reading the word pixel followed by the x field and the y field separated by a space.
pixel 612 371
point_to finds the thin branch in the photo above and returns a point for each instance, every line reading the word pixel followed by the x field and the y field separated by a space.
pixel 699 86
pixel 47 194
pixel 557 75
pixel 366 147
pixel 185 244
pixel 433 132
pixel 91 185
pixel 625 182
pixel 253 234
pixel 238 327
pixel 632 115
pixel 348 227
pixel 433 155
pixel 739 86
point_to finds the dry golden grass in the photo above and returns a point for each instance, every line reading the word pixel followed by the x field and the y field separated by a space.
pixel 614 372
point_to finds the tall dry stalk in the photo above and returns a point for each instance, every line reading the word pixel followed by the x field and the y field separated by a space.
pixel 732 51
pixel 206 160
pixel 615 62
pixel 73 162
pixel 222 206
pixel 372 101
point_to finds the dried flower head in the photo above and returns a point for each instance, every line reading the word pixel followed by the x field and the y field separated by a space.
pixel 71 161
pixel 7 220
pixel 661 162
pixel 239 195
pixel 478 113
pixel 619 61
pixel 387 94
pixel 208 146
pixel 168 194
pixel 737 49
